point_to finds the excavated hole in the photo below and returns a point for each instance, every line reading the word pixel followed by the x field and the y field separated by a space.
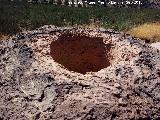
pixel 81 53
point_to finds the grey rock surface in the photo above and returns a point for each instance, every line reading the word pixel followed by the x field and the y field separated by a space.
pixel 35 87
pixel 156 45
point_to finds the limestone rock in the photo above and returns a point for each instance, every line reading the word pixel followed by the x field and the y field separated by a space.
pixel 156 45
pixel 40 81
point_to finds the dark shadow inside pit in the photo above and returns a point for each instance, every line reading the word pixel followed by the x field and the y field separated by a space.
pixel 81 53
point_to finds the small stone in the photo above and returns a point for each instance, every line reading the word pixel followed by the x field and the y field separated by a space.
pixel 117 85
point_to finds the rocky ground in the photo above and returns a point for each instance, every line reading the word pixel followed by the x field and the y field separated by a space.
pixel 33 86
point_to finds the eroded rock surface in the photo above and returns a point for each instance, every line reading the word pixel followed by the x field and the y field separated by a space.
pixel 33 86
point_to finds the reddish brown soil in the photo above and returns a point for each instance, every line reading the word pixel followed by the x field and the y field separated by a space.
pixel 81 53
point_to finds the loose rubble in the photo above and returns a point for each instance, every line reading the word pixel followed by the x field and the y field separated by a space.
pixel 35 87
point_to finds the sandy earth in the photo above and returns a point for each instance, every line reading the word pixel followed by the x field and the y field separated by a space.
pixel 33 86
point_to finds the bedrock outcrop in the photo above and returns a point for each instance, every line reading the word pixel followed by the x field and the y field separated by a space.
pixel 60 73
